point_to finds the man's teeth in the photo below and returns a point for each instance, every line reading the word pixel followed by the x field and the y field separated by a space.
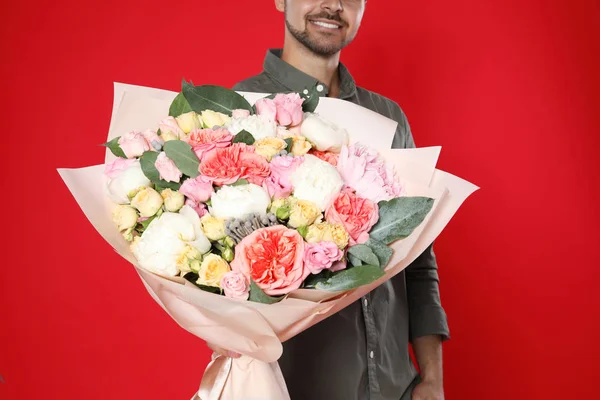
pixel 325 24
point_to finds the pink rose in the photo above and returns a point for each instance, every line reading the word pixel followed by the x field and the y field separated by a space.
pixel 256 168
pixel 276 188
pixel 170 124
pixel 365 171
pixel 167 168
pixel 266 109
pixel 320 256
pixel 283 167
pixel 200 208
pixel 273 258
pixel 289 109
pixel 113 169
pixel 356 214
pixel 154 141
pixel 199 189
pixel 204 140
pixel 133 144
pixel 240 113
pixel 235 285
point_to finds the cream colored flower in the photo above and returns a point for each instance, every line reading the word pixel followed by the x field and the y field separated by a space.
pixel 325 231
pixel 173 200
pixel 187 258
pixel 300 146
pixel 269 146
pixel 166 136
pixel 303 213
pixel 212 270
pixel 189 121
pixel 213 227
pixel 212 118
pixel 125 217
pixel 281 208
pixel 148 201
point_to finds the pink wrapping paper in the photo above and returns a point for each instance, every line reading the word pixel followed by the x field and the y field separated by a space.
pixel 252 329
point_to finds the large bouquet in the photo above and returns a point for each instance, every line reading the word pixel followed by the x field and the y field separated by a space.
pixel 251 217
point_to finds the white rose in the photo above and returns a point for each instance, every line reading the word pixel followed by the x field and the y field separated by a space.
pixel 259 127
pixel 148 201
pixel 317 181
pixel 126 182
pixel 188 121
pixel 325 135
pixel 239 201
pixel 164 247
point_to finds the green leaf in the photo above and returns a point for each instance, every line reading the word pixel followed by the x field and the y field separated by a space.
pixel 145 223
pixel 347 279
pixel 399 217
pixel 240 182
pixel 244 137
pixel 381 250
pixel 258 296
pixel 147 162
pixel 311 100
pixel 289 143
pixel 364 253
pixel 355 261
pixel 184 158
pixel 193 277
pixel 179 106
pixel 114 147
pixel 216 98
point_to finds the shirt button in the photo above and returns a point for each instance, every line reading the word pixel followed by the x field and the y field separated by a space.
pixel 320 88
pixel 371 354
pixel 366 302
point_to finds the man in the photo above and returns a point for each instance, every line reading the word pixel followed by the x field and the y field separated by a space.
pixel 360 353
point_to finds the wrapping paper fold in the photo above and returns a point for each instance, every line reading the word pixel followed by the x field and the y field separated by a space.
pixel 252 329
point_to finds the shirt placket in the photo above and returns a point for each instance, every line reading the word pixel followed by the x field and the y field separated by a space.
pixel 372 348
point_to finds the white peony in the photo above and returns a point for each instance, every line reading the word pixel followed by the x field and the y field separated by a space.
pixel 239 201
pixel 259 127
pixel 164 247
pixel 323 134
pixel 127 182
pixel 317 181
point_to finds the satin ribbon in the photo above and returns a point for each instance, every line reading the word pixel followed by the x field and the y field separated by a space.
pixel 215 377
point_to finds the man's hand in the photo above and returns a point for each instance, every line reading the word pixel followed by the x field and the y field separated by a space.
pixel 428 390
pixel 223 352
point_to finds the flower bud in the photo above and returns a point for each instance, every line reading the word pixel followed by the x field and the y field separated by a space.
pixel 148 201
pixel 173 200
pixel 228 254
pixel 213 227
pixel 212 118
pixel 125 217
pixel 188 122
pixel 303 213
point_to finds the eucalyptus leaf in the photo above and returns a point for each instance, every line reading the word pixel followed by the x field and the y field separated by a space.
pixel 258 296
pixel 114 147
pixel 146 222
pixel 347 279
pixel 399 217
pixel 381 250
pixel 216 98
pixel 364 253
pixel 147 161
pixel 179 106
pixel 184 158
pixel 355 261
pixel 244 137
pixel 289 143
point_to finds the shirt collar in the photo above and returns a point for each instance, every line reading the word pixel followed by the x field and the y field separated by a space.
pixel 298 81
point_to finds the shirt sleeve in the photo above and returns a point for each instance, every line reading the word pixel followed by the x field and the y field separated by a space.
pixel 426 314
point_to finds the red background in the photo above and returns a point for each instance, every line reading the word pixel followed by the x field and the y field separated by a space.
pixel 508 88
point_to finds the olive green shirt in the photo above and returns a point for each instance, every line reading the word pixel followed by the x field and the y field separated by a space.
pixel 362 352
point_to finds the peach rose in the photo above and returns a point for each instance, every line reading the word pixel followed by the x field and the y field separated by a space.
pixel 256 168
pixel 273 258
pixel 356 214
pixel 226 165
pixel 328 156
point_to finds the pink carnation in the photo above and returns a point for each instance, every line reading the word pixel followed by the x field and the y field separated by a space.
pixel 235 285
pixel 167 168
pixel 204 140
pixel 113 169
pixel 199 189
pixel 356 214
pixel 200 208
pixel 276 188
pixel 273 258
pixel 365 171
pixel 224 166
pixel 320 256
pixel 133 144
pixel 284 167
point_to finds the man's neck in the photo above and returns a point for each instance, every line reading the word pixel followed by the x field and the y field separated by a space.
pixel 324 69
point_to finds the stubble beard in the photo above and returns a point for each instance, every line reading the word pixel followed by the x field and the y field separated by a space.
pixel 320 49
